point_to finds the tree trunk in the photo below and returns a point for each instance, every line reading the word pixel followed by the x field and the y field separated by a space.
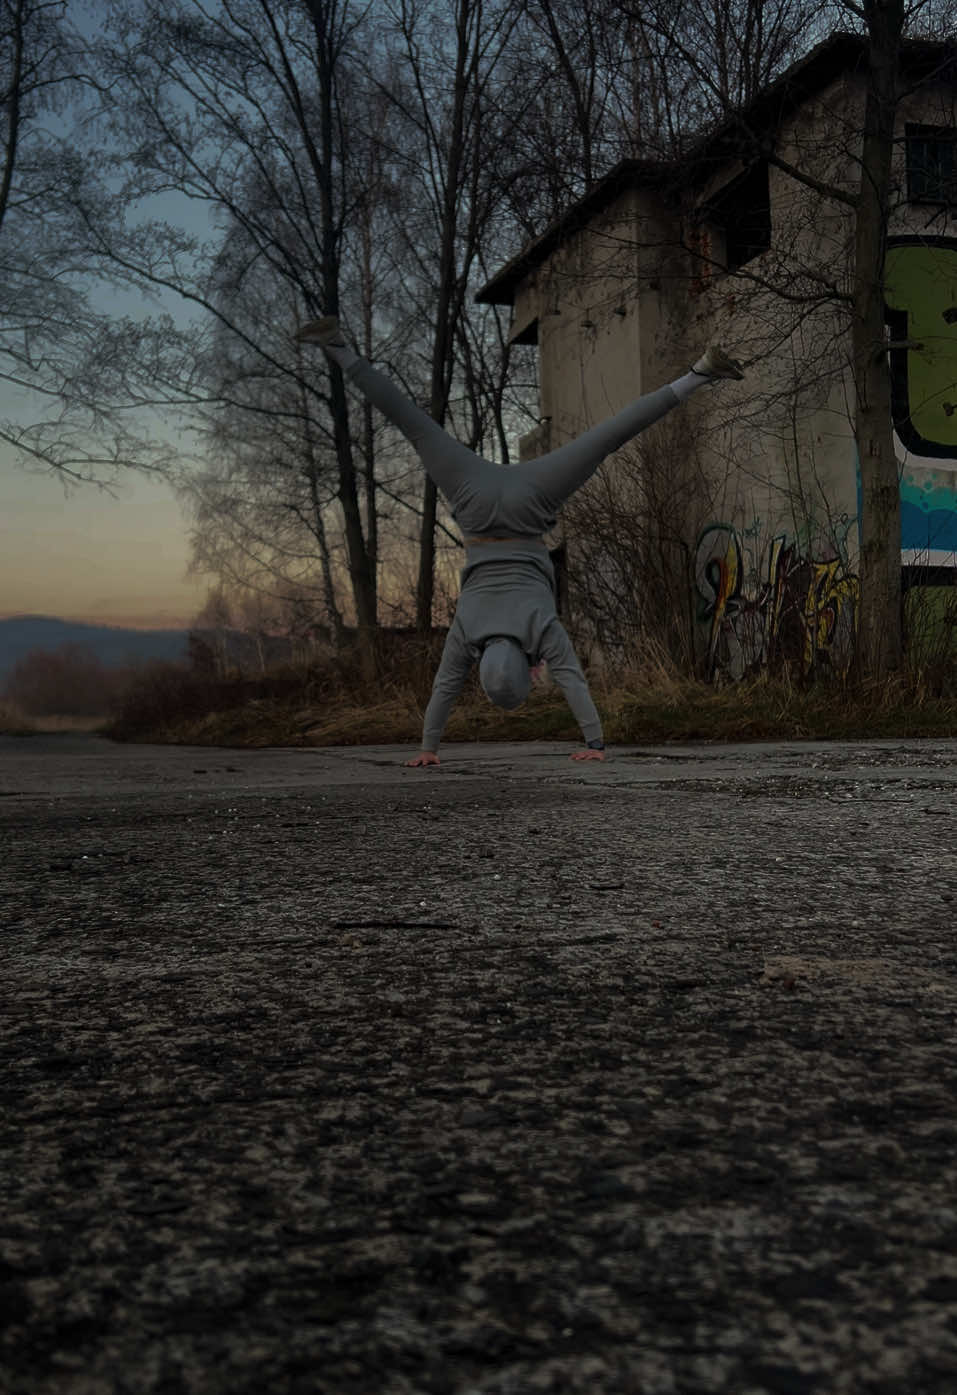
pixel 12 100
pixel 325 562
pixel 443 340
pixel 368 421
pixel 879 636
pixel 318 529
pixel 361 573
pixel 438 403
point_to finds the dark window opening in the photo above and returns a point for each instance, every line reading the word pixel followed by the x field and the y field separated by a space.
pixel 559 560
pixel 912 577
pixel 527 335
pixel 931 167
pixel 742 212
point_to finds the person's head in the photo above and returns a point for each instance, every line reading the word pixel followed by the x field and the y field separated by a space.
pixel 504 673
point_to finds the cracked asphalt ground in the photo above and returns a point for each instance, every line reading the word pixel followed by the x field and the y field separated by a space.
pixel 324 1075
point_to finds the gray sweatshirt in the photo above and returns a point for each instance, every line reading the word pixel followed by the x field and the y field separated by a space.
pixel 508 589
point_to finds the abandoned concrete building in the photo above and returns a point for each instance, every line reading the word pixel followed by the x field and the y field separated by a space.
pixel 733 525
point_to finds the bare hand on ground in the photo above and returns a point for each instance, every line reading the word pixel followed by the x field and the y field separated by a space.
pixel 587 755
pixel 424 758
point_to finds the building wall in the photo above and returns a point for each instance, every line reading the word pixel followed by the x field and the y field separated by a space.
pixel 921 295
pixel 600 304
pixel 628 302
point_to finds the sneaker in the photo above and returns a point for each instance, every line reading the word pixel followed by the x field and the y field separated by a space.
pixel 715 363
pixel 325 332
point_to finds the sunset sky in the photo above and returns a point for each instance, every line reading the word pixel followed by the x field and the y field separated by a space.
pixel 85 555
pixel 82 554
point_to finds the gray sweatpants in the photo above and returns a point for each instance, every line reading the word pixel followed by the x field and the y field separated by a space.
pixel 518 499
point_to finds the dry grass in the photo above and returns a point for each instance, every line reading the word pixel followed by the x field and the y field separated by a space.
pixel 333 706
pixel 65 722
pixel 657 704
pixel 13 722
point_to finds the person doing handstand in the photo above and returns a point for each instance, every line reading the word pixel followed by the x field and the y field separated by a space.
pixel 505 618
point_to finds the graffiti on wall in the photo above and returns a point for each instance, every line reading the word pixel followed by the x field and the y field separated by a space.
pixel 920 291
pixel 783 605
pixel 781 609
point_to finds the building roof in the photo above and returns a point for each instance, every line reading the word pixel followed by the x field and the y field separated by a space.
pixel 840 54
pixel 628 174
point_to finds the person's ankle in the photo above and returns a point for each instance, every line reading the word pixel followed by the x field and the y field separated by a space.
pixel 714 364
pixel 326 332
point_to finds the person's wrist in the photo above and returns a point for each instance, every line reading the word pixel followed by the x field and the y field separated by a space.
pixel 596 745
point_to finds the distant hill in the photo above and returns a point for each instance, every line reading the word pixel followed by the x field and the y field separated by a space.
pixel 112 645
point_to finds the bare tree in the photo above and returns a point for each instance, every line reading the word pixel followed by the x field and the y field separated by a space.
pixel 440 81
pixel 697 60
pixel 64 408
pixel 231 113
pixel 567 84
pixel 332 22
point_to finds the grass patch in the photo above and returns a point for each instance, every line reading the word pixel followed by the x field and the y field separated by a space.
pixel 769 710
pixel 65 722
pixel 13 722
pixel 331 705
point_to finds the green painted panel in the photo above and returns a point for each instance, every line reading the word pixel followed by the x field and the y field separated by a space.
pixel 920 282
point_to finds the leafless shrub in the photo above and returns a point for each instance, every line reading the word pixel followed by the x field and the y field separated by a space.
pixel 631 539
pixel 164 696
pixel 930 630
pixel 69 681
